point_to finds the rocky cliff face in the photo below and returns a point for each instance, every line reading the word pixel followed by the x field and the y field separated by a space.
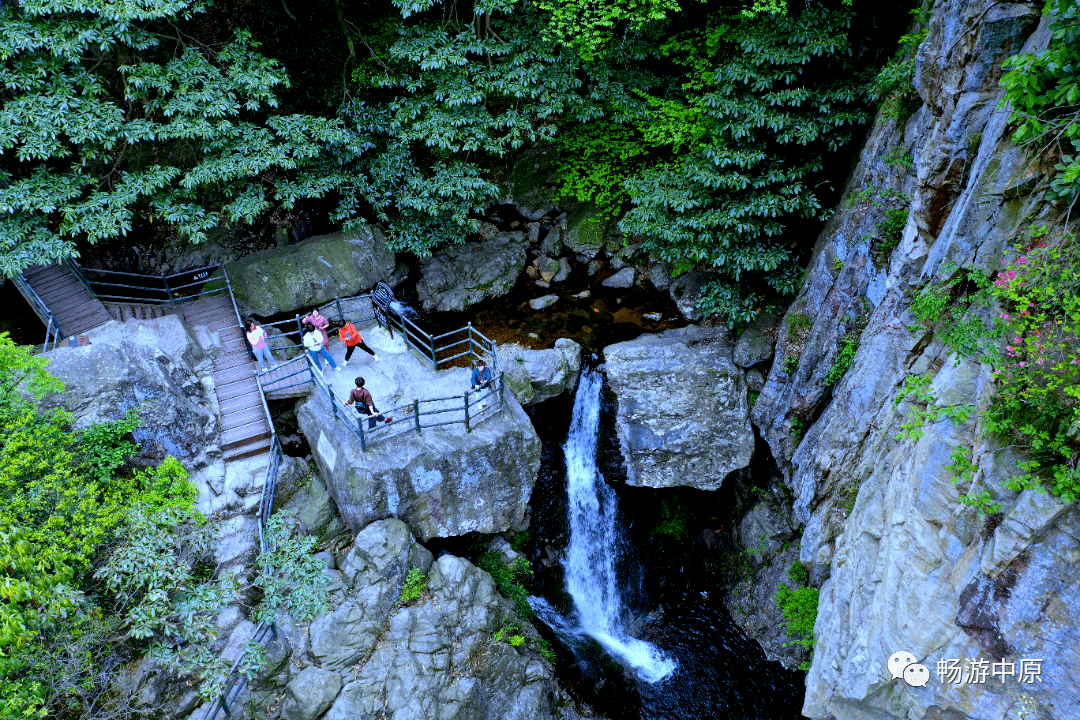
pixel 902 566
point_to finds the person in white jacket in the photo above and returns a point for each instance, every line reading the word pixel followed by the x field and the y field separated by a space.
pixel 313 341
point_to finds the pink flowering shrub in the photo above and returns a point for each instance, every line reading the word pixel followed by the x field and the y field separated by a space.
pixel 1037 371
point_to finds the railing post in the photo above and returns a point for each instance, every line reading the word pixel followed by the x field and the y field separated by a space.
pixel 168 290
pixel 416 413
pixel 500 387
pixel 300 329
pixel 467 428
pixel 360 427
pixel 434 360
pixel 471 358
pixel 341 314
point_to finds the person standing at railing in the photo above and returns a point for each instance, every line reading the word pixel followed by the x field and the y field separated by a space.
pixel 321 323
pixel 313 341
pixel 352 339
pixel 257 337
pixel 365 404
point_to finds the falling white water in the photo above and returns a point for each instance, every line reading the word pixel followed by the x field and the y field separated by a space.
pixel 591 577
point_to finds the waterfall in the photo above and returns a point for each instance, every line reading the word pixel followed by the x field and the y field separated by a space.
pixel 591 574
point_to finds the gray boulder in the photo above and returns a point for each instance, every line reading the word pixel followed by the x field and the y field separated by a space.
pixel 769 539
pixel 683 417
pixel 103 381
pixel 551 245
pixel 757 342
pixel 443 482
pixel 544 301
pixel 546 267
pixel 622 279
pixel 435 657
pixel 564 270
pixel 685 292
pixel 311 272
pixel 310 693
pixel 168 334
pixel 537 375
pixel 585 233
pixel 463 275
pixel 660 276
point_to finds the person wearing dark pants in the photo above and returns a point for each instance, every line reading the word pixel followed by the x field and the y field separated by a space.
pixel 352 339
pixel 365 405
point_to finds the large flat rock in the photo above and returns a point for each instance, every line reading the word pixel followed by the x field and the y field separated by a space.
pixel 683 417
pixel 443 481
pixel 312 272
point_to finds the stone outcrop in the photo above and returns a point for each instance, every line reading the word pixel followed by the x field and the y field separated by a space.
pixel 463 275
pixel 901 564
pixel 109 377
pixel 443 482
pixel 312 272
pixel 685 292
pixel 683 417
pixel 537 375
pixel 769 540
pixel 435 657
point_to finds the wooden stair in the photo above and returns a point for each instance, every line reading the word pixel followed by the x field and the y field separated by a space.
pixel 135 311
pixel 74 307
pixel 281 383
pixel 245 430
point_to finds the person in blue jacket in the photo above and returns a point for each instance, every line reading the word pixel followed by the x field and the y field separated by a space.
pixel 481 376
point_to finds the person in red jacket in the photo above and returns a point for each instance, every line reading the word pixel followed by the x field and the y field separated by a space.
pixel 352 339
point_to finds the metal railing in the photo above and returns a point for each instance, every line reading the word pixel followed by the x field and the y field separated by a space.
pixel 52 326
pixel 265 633
pixel 117 286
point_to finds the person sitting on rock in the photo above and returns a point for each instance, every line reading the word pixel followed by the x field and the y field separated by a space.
pixel 481 376
pixel 257 337
pixel 321 323
pixel 313 341
pixel 365 405
pixel 352 339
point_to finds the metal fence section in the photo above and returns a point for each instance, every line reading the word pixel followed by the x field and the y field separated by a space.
pixel 118 287
pixel 265 633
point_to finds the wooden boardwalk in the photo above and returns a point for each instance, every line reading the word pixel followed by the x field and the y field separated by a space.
pixel 245 431
pixel 74 308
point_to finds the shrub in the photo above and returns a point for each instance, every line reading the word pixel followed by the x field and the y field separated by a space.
pixel 849 345
pixel 509 579
pixel 799 608
pixel 415 584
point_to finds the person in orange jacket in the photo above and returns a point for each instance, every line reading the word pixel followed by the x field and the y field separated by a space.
pixel 352 339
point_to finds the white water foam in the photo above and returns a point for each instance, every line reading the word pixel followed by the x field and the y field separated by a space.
pixel 591 577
